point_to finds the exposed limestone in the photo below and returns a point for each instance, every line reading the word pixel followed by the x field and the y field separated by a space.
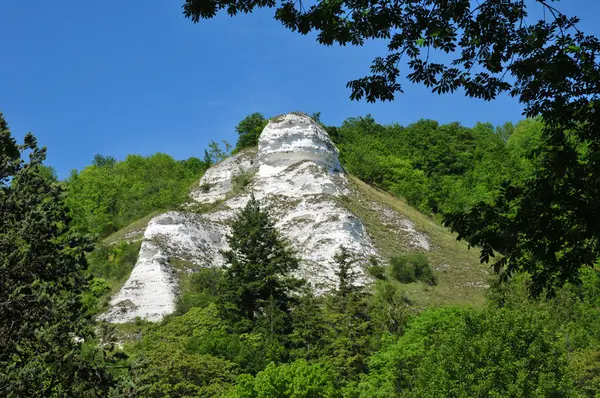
pixel 402 225
pixel 150 290
pixel 217 181
pixel 297 175
pixel 293 138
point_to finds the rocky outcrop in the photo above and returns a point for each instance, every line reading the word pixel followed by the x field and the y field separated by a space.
pixel 217 181
pixel 151 289
pixel 294 138
pixel 297 174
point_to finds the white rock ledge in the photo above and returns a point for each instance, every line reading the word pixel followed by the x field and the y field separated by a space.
pixel 293 138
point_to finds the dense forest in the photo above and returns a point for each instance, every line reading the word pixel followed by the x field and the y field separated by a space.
pixel 437 168
pixel 251 330
pixel 110 194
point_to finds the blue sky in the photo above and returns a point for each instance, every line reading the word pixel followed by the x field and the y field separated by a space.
pixel 118 77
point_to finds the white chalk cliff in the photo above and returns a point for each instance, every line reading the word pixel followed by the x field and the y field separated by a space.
pixel 296 173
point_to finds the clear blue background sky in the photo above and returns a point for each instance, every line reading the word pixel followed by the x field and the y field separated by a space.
pixel 118 77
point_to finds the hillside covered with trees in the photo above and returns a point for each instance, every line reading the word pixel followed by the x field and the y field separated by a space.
pixel 240 332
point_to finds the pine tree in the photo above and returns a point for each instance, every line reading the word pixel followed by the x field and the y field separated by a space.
pixel 346 274
pixel 348 318
pixel 259 266
pixel 43 323
pixel 309 326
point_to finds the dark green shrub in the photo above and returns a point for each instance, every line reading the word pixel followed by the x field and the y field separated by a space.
pixel 423 271
pixel 427 276
pixel 402 270
pixel 375 269
pixel 205 187
pixel 199 289
pixel 412 268
pixel 377 272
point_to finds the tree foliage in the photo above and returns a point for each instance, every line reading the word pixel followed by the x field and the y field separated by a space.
pixel 465 353
pixel 178 360
pixel 348 319
pixel 108 195
pixel 299 379
pixel 43 322
pixel 249 129
pixel 308 326
pixel 437 168
pixel 483 40
pixel 547 224
pixel 259 265
pixel 215 154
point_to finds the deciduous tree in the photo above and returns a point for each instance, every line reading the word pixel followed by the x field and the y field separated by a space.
pixel 249 130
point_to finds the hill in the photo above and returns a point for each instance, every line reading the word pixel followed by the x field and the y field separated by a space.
pixel 415 303
pixel 316 206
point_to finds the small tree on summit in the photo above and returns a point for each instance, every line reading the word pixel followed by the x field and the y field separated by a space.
pixel 249 130
pixel 259 265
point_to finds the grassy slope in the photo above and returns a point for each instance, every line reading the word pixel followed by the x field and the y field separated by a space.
pixel 461 278
pixel 133 231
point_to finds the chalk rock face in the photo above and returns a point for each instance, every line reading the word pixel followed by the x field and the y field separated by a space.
pixel 293 138
pixel 296 174
pixel 150 291
pixel 217 181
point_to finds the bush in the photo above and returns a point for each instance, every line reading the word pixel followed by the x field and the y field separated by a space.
pixel 377 272
pixel 199 289
pixel 412 268
pixel 205 187
pixel 113 262
pixel 423 271
pixel 402 270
